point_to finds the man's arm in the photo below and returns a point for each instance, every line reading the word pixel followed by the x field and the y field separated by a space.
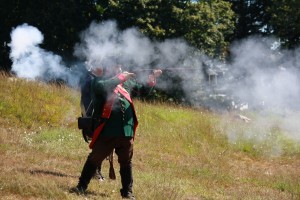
pixel 101 85
pixel 138 88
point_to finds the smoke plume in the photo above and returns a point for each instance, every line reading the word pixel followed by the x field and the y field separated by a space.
pixel 32 62
pixel 259 75
pixel 104 44
pixel 267 79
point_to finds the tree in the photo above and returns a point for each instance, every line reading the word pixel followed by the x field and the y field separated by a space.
pixel 251 18
pixel 154 18
pixel 285 21
pixel 8 13
pixel 206 25
pixel 59 21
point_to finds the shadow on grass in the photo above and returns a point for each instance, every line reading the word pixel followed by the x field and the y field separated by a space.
pixel 59 174
pixel 86 193
pixel 52 173
pixel 89 193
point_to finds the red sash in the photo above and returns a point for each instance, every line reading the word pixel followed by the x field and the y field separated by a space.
pixel 108 108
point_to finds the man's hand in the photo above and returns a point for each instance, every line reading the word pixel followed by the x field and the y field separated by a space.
pixel 152 77
pixel 157 73
pixel 128 75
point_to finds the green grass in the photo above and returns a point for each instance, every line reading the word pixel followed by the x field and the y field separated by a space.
pixel 180 153
pixel 31 104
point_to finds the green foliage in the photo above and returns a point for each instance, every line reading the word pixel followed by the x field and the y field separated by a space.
pixel 278 18
pixel 251 18
pixel 285 21
pixel 207 25
pixel 204 25
pixel 59 21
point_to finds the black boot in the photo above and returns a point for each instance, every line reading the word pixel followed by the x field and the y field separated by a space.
pixel 87 173
pixel 127 182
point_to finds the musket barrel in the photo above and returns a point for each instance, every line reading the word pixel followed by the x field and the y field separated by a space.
pixel 168 69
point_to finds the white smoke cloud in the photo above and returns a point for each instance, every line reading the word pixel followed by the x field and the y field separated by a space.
pixel 103 44
pixel 32 62
pixel 24 38
pixel 262 76
pixel 259 74
pixel 268 80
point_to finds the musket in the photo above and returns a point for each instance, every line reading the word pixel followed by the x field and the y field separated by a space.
pixel 167 69
pixel 112 174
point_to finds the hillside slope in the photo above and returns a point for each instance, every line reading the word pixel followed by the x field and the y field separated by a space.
pixel 180 153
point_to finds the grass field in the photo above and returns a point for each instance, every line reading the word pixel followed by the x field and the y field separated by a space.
pixel 180 153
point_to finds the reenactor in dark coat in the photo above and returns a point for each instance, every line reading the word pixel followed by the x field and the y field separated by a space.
pixel 116 127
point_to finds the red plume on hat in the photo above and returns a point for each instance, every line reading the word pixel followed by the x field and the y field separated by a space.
pixel 97 71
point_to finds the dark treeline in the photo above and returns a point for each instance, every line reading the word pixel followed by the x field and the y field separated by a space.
pixel 209 25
